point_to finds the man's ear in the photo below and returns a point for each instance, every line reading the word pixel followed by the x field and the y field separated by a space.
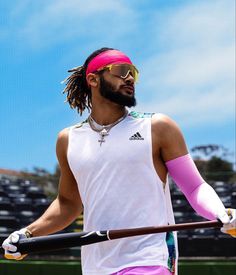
pixel 92 80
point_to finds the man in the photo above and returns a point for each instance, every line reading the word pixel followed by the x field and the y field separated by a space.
pixel 114 167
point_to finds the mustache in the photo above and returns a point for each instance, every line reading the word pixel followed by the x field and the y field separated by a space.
pixel 128 85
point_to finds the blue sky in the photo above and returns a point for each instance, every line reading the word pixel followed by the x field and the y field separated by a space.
pixel 185 52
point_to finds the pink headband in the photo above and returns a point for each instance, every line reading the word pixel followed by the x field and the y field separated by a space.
pixel 107 58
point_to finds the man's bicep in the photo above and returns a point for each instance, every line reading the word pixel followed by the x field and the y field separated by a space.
pixel 68 189
pixel 172 143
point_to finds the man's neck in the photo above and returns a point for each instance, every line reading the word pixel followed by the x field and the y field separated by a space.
pixel 105 115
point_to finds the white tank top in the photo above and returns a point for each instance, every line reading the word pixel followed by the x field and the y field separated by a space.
pixel 120 188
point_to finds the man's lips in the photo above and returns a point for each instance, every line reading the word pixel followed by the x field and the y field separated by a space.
pixel 129 88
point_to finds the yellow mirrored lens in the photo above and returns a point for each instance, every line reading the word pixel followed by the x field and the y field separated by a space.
pixel 123 70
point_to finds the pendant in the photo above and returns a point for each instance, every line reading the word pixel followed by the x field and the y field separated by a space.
pixel 103 134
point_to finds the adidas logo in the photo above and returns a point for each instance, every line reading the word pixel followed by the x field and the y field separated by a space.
pixel 136 136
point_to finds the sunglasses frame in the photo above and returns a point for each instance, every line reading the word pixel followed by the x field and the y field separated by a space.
pixel 109 67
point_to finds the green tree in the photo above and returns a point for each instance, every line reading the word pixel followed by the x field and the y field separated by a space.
pixel 219 169
pixel 212 162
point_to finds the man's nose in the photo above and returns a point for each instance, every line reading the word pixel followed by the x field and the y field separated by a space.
pixel 129 78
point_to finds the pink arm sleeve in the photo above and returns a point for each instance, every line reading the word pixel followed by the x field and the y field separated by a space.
pixel 200 195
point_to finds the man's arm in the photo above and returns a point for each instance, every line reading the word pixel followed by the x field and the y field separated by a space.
pixel 63 210
pixel 67 206
pixel 179 164
pixel 168 138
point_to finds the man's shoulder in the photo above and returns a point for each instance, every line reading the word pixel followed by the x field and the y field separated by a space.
pixel 165 127
pixel 159 121
pixel 63 134
pixel 162 120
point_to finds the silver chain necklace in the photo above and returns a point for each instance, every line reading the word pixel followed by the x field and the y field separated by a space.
pixel 103 130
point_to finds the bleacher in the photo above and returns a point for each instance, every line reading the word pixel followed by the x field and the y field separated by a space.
pixel 208 242
pixel 23 201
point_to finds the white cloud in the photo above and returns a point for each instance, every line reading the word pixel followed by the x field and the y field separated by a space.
pixel 196 68
pixel 189 54
pixel 193 76
pixel 213 106
pixel 52 22
pixel 197 23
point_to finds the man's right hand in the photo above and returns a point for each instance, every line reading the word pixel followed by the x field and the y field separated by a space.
pixel 9 247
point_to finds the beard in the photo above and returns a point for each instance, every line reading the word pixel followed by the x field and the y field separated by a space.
pixel 108 91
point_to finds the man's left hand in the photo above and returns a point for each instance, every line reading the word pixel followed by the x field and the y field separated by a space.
pixel 229 227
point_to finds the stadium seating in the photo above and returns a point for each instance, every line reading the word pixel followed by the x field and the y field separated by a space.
pixel 41 204
pixel 5 203
pixel 35 192
pixel 203 242
pixel 21 202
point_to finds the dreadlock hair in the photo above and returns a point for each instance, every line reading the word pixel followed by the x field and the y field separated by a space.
pixel 77 89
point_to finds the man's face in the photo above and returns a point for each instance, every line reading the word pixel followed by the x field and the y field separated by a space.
pixel 120 91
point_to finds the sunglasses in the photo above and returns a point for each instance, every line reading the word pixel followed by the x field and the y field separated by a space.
pixel 122 70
